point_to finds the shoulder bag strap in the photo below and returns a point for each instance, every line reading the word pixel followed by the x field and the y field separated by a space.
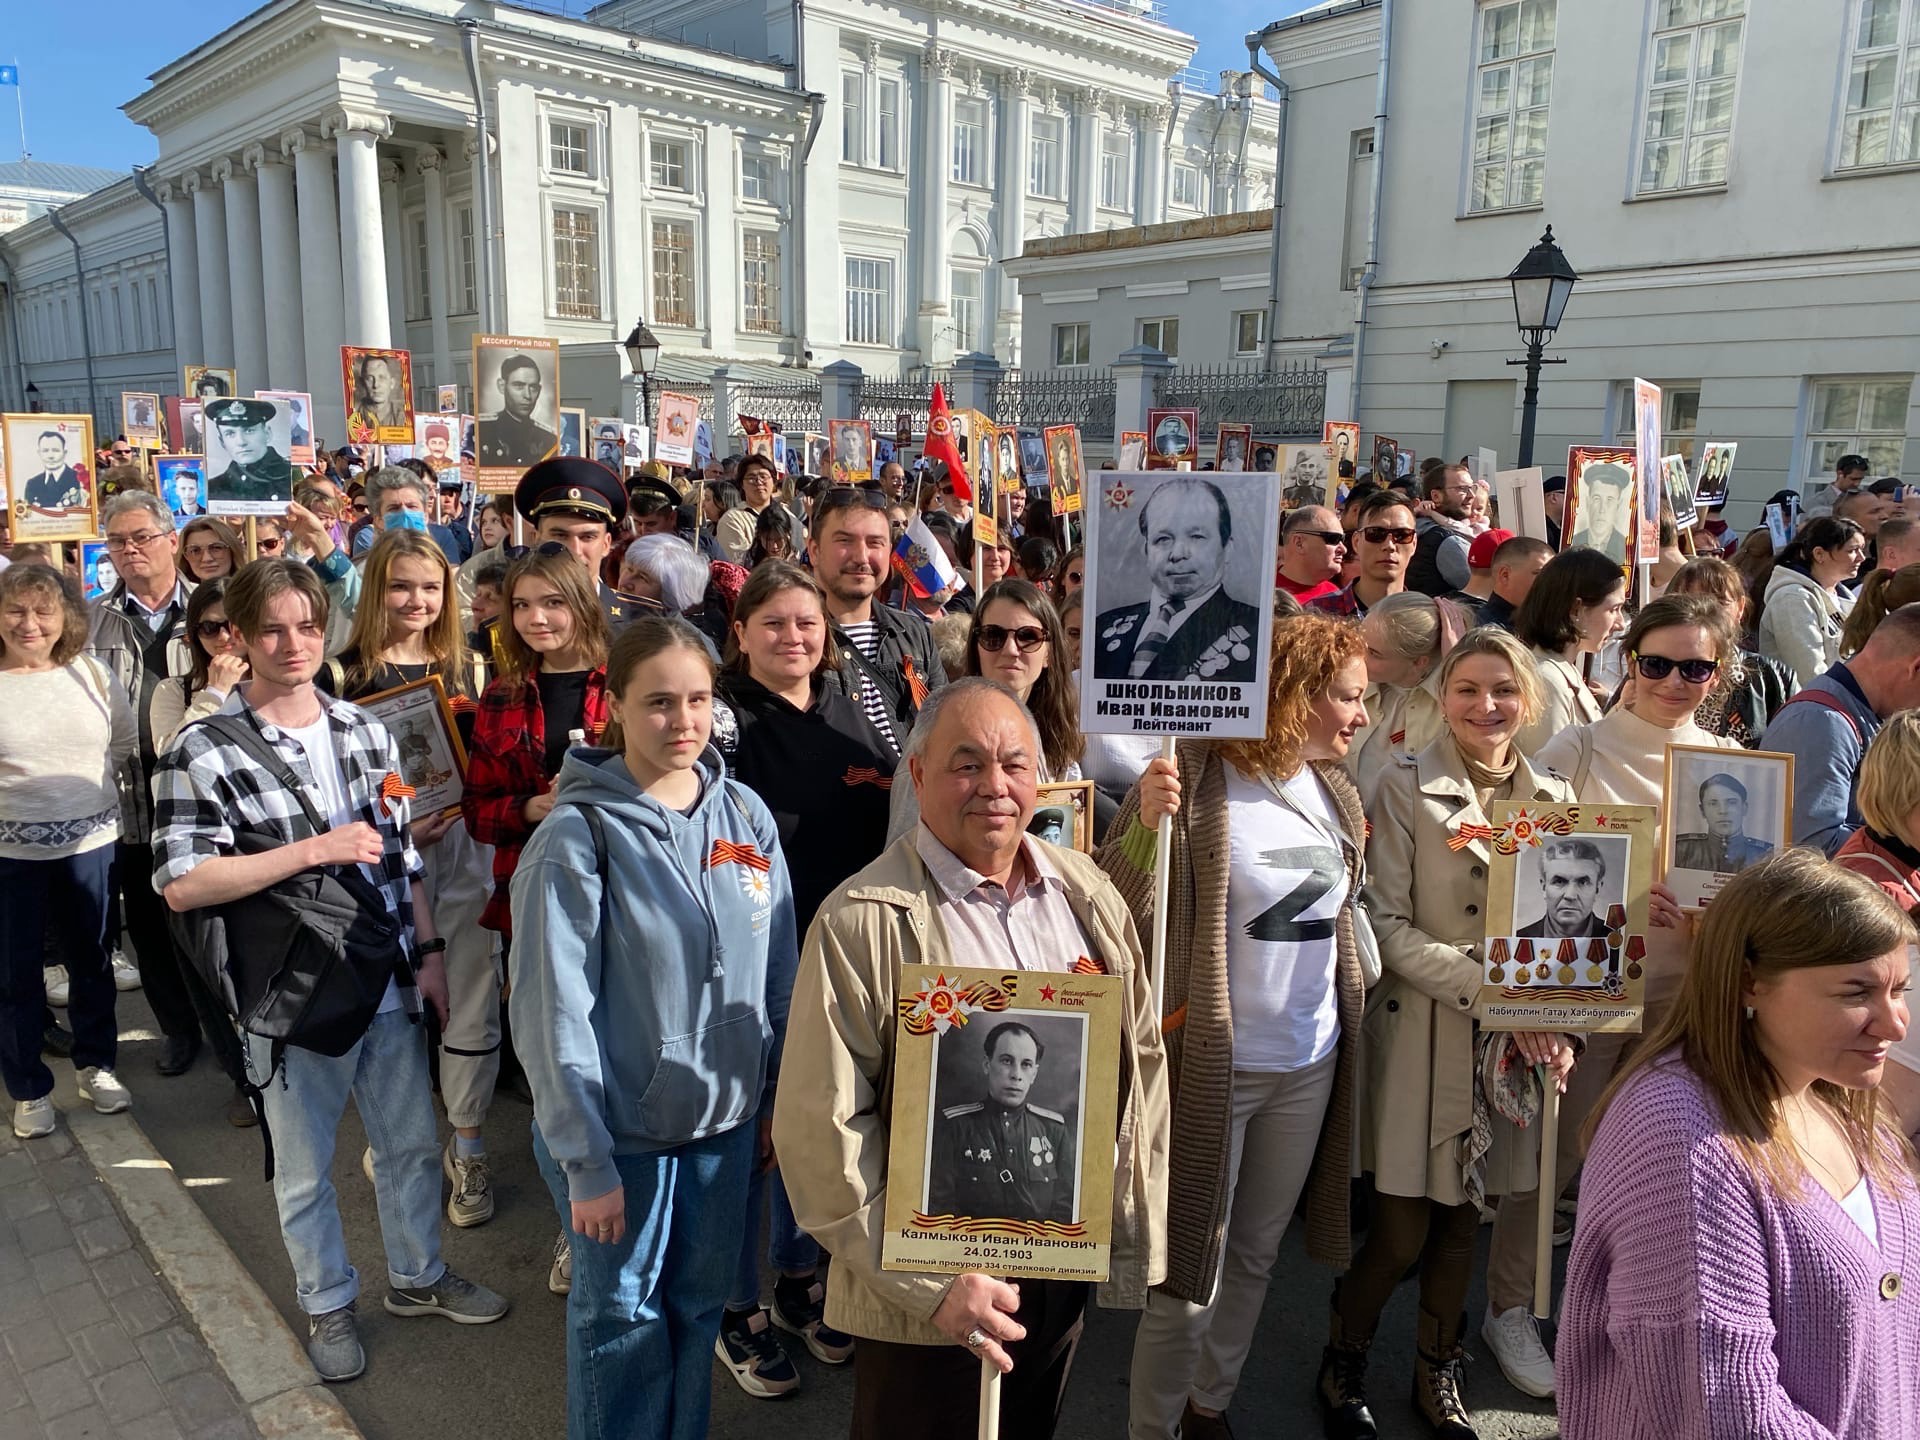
pixel 243 732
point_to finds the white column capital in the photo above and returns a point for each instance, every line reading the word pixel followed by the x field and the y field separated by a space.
pixel 299 138
pixel 473 143
pixel 223 169
pixel 1018 83
pixel 351 118
pixel 428 160
pixel 873 53
pixel 942 61
pixel 260 155
pixel 169 191
pixel 1089 99
pixel 1157 117
pixel 389 172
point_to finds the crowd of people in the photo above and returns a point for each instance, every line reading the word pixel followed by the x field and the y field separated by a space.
pixel 727 773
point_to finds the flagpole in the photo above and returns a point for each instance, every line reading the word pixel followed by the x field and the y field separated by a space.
pixel 20 109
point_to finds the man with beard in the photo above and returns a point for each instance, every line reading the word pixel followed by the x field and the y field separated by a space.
pixel 1439 565
pixel 258 472
pixel 1570 874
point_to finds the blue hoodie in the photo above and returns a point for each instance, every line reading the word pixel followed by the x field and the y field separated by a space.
pixel 654 1016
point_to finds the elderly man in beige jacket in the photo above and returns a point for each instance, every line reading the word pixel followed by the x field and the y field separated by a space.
pixel 968 886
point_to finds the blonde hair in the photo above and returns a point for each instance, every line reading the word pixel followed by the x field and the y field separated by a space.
pixel 1790 911
pixel 1889 785
pixel 1419 627
pixel 1308 651
pixel 519 660
pixel 372 633
pixel 1499 644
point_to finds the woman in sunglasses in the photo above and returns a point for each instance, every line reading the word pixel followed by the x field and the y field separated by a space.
pixel 210 550
pixel 1676 651
pixel 218 664
pixel 1572 610
pixel 1018 640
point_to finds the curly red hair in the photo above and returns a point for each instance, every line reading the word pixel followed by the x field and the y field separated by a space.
pixel 1309 649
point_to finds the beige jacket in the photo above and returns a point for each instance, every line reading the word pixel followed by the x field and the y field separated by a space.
pixel 1565 699
pixel 1428 904
pixel 835 1100
pixel 1401 720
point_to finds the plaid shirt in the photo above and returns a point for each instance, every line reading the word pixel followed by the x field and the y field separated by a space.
pixel 206 788
pixel 1342 602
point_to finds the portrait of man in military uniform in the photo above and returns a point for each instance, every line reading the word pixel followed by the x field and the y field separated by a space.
pixel 248 472
pixel 515 434
pixel 1000 1154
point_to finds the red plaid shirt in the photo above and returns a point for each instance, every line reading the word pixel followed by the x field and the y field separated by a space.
pixel 506 767
pixel 1342 602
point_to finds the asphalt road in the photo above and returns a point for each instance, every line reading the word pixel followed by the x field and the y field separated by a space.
pixel 508 1381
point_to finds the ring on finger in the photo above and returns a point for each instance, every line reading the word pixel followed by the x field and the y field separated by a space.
pixel 976 1338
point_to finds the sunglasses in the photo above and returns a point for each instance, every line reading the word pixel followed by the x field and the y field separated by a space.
pixel 1381 534
pixel 268 542
pixel 213 629
pixel 550 547
pixel 993 638
pixel 120 452
pixel 1658 667
pixel 1330 537
pixel 841 497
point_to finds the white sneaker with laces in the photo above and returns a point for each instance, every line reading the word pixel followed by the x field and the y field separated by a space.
pixel 126 975
pixel 1514 1338
pixel 33 1118
pixel 103 1088
pixel 57 984
pixel 560 1273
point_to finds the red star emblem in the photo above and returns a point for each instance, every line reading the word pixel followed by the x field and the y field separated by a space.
pixel 1600 820
pixel 1046 992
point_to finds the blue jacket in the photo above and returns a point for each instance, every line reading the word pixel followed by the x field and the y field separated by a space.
pixel 1827 745
pixel 651 1015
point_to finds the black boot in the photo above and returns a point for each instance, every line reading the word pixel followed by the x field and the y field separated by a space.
pixel 1437 1381
pixel 1341 1387
pixel 177 1054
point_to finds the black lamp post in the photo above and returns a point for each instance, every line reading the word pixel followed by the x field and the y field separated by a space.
pixel 1541 284
pixel 643 353
pixel 33 397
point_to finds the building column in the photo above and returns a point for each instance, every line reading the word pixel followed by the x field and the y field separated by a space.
pixel 279 268
pixel 722 243
pixel 1016 126
pixel 1153 164
pixel 936 262
pixel 433 177
pixel 393 248
pixel 320 289
pixel 1082 194
pixel 183 268
pixel 244 275
pixel 210 254
pixel 363 254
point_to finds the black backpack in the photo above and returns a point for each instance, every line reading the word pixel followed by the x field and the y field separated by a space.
pixel 304 962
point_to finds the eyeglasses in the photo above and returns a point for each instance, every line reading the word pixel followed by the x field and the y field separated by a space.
pixel 993 638
pixel 213 629
pixel 1330 537
pixel 120 450
pixel 118 544
pixel 1658 667
pixel 1381 534
pixel 550 547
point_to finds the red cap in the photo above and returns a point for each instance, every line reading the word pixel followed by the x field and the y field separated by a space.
pixel 1480 553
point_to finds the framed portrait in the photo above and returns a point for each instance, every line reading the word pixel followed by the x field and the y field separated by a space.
pixel 902 430
pixel 1384 460
pixel 1722 810
pixel 1646 465
pixel 378 389
pixel 432 759
pixel 1233 448
pixel 1173 437
pixel 1005 1096
pixel 97 573
pixel 884 450
pixel 1303 475
pixel 609 439
pixel 984 472
pixel 436 440
pixel 207 382
pixel 516 400
pixel 1342 439
pixel 299 422
pixel 1600 500
pixel 1033 459
pixel 1066 469
pixel 1678 487
pixel 1716 472
pixel 1206 545
pixel 248 472
pixel 182 480
pixel 1567 889
pixel 446 399
pixel 851 447
pixel 813 450
pixel 140 416
pixel 679 422
pixel 186 429
pixel 761 444
pixel 1063 814
pixel 1006 461
pixel 1132 451
pixel 51 489
pixel 573 430
pixel 636 444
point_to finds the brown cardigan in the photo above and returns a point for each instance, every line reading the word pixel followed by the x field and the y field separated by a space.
pixel 1199 1022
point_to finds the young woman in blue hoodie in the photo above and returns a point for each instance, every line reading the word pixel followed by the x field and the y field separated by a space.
pixel 653 957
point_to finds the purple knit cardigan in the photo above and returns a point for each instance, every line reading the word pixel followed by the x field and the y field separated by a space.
pixel 1703 1305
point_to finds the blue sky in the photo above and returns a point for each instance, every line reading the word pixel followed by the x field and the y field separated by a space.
pixel 73 114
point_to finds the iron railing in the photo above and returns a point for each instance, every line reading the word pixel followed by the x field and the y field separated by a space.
pixel 881 400
pixel 1035 399
pixel 1287 402
pixel 701 390
pixel 793 405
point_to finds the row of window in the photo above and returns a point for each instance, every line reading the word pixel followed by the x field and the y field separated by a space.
pixel 1858 415
pixel 1073 343
pixel 127 314
pixel 573 153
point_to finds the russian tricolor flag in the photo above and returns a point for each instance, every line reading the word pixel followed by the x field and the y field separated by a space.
pixel 922 563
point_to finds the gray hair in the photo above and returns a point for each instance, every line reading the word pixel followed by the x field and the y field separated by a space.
pixel 670 563
pixel 929 717
pixel 144 501
pixel 392 477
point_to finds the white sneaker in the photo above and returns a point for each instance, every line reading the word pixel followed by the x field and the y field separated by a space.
pixel 33 1118
pixel 126 975
pixel 560 1273
pixel 1514 1338
pixel 366 1164
pixel 57 986
pixel 103 1088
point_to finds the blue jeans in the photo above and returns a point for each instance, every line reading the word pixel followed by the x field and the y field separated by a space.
pixel 643 1314
pixel 386 1073
pixel 71 892
pixel 789 1248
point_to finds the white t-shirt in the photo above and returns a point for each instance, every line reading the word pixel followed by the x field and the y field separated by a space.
pixel 317 740
pixel 1286 882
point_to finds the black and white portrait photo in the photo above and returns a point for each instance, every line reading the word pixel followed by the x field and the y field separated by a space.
pixel 140 415
pixel 1173 437
pixel 607 442
pixel 299 422
pixel 1565 886
pixel 1007 1104
pixel 1033 458
pixel 517 393
pixel 573 425
pixel 248 472
pixel 1603 505
pixel 1725 810
pixel 207 382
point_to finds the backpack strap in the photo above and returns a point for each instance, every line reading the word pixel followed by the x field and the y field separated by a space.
pixel 1887 865
pixel 337 673
pixel 244 733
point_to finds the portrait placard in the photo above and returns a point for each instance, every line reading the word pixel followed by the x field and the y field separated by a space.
pixel 678 423
pixel 1678 486
pixel 1342 439
pixel 378 386
pixel 299 422
pixel 1006 443
pixel 183 485
pixel 1133 451
pixel 1522 499
pixel 607 441
pixel 140 415
pixel 516 396
pixel 1179 571
pixel 97 573
pixel 1716 472
pixel 1600 499
pixel 985 473
pixel 1005 1084
pixel 1233 448
pixel 446 399
pixel 813 449
pixel 902 430
pixel 50 479
pixel 185 427
pixel 573 430
pixel 1385 462
pixel 1646 469
pixel 1063 814
pixel 852 450
pixel 248 472
pixel 1066 469
pixel 1567 889
pixel 635 442
pixel 1721 811
pixel 432 759
pixel 436 440
pixel 208 382
pixel 1303 475
pixel 1173 437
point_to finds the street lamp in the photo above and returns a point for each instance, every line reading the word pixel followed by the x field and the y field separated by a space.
pixel 643 353
pixel 1541 284
pixel 33 397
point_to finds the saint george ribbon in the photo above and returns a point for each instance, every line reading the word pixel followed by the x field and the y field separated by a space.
pixel 392 788
pixel 866 775
pixel 728 850
pixel 1468 833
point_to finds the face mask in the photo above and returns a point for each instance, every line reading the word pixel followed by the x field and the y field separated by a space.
pixel 407 520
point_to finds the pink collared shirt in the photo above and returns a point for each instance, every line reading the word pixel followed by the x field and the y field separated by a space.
pixel 1025 924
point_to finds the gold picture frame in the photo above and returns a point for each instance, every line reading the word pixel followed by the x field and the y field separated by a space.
pixel 1075 797
pixel 420 718
pixel 1693 821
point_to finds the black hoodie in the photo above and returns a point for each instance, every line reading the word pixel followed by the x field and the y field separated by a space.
pixel 823 772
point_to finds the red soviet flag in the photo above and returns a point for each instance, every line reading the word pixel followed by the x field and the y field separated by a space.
pixel 942 446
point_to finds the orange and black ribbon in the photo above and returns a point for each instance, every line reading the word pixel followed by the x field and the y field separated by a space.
pixel 727 850
pixel 866 775
pixel 392 788
pixel 915 684
pixel 1468 833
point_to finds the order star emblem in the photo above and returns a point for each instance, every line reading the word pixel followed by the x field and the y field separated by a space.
pixel 1046 992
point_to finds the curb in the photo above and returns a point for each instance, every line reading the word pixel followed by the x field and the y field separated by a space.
pixel 250 1343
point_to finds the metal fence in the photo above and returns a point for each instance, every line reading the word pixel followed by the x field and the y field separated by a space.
pixel 793 405
pixel 911 394
pixel 1035 399
pixel 1288 401
pixel 701 390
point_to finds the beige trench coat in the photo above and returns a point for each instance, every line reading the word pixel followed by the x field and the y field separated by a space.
pixel 1428 905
